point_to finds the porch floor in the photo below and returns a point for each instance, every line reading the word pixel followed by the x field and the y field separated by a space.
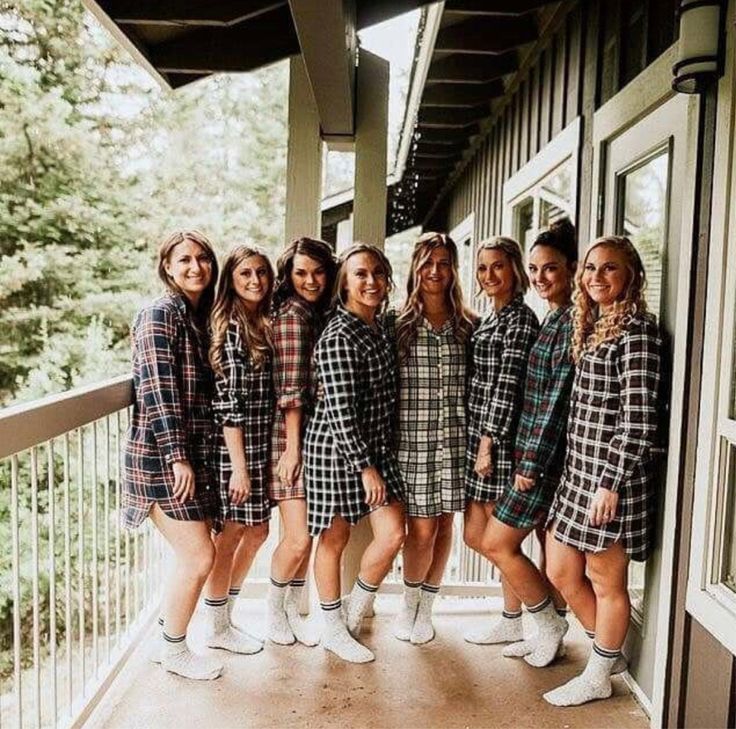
pixel 447 683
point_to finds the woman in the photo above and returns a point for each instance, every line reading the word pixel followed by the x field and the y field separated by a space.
pixel 501 345
pixel 432 333
pixel 167 474
pixel 603 512
pixel 305 277
pixel 349 468
pixel 540 445
pixel 241 357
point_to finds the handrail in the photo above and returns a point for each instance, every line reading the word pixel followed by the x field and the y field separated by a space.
pixel 26 425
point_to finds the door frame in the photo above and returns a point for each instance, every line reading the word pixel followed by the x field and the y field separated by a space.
pixel 650 89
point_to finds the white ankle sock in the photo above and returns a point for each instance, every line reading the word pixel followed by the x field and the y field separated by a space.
pixel 177 658
pixel 221 633
pixel 299 626
pixel 423 630
pixel 404 621
pixel 593 683
pixel 279 631
pixel 551 629
pixel 361 600
pixel 337 639
pixel 507 629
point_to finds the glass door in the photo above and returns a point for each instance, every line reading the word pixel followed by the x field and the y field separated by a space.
pixel 641 197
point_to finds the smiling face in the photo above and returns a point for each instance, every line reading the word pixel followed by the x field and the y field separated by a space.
pixel 495 274
pixel 251 280
pixel 309 278
pixel 550 274
pixel 435 274
pixel 190 267
pixel 365 284
pixel 605 275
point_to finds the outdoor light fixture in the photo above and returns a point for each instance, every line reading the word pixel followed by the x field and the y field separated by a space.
pixel 698 54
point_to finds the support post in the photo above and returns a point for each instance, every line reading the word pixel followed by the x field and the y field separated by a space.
pixel 303 159
pixel 371 138
pixel 369 217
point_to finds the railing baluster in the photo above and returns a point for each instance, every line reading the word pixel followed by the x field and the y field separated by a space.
pixel 106 537
pixel 118 583
pixel 15 542
pixel 80 558
pixel 35 563
pixel 95 557
pixel 68 617
pixel 52 580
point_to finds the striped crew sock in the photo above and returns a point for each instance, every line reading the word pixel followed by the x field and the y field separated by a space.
pixel 335 637
pixel 562 612
pixel 507 629
pixel 361 601
pixel 551 629
pixel 233 595
pixel 174 644
pixel 279 631
pixel 177 658
pixel 423 630
pixel 331 611
pixel 404 622
pixel 593 683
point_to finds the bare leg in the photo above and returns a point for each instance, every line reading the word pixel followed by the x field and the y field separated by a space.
pixel 566 570
pixel 419 547
pixel 331 545
pixel 292 552
pixel 442 550
pixel 608 573
pixel 387 524
pixel 226 544
pixel 251 541
pixel 557 599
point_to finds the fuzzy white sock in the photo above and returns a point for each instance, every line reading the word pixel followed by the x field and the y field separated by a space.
pixel 423 630
pixel 360 602
pixel 593 683
pixel 404 621
pixel 507 629
pixel 279 631
pixel 220 633
pixel 337 639
pixel 551 629
pixel 299 626
pixel 177 658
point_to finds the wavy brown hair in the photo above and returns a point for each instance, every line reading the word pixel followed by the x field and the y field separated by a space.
pixel 166 248
pixel 589 329
pixel 318 251
pixel 513 253
pixel 255 328
pixel 339 292
pixel 412 309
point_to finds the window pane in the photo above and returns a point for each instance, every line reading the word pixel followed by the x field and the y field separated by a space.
pixel 524 219
pixel 643 216
pixel 728 564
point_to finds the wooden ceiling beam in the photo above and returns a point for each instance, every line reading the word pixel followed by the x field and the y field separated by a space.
pixel 447 150
pixel 329 42
pixel 266 39
pixel 187 12
pixel 445 135
pixel 487 35
pixel 423 163
pixel 462 68
pixel 459 117
pixel 461 95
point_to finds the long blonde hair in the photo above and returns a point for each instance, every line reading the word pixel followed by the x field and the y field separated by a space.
pixel 255 328
pixel 339 294
pixel 411 312
pixel 513 253
pixel 591 330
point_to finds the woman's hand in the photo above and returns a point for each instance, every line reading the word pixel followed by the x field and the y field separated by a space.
pixel 239 487
pixel 603 508
pixel 374 486
pixel 289 467
pixel 484 459
pixel 522 483
pixel 183 481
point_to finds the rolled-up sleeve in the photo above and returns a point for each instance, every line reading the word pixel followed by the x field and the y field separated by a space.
pixel 339 367
pixel 154 337
pixel 292 350
pixel 638 368
pixel 231 384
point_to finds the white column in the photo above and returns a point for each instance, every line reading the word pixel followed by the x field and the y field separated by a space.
pixel 303 159
pixel 369 215
pixel 344 234
pixel 371 140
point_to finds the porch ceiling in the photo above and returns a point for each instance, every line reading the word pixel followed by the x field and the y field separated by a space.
pixel 477 51
pixel 185 40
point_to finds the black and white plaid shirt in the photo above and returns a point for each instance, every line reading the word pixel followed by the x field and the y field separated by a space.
pixel 353 420
pixel 612 442
pixel 501 346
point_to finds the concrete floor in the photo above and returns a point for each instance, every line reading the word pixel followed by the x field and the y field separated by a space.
pixel 447 683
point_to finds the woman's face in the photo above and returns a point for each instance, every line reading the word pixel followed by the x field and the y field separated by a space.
pixel 550 274
pixel 495 274
pixel 605 275
pixel 366 283
pixel 190 268
pixel 308 277
pixel 251 279
pixel 435 274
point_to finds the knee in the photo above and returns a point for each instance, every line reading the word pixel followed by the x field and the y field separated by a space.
pixel 494 550
pixel 298 544
pixel 562 579
pixel 200 563
pixel 393 540
pixel 472 539
pixel 334 540
pixel 422 539
pixel 256 535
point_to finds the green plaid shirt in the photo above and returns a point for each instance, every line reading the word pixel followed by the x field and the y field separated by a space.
pixel 540 438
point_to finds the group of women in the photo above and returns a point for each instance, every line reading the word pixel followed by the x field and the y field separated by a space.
pixel 302 390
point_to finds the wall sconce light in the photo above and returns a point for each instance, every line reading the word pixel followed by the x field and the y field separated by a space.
pixel 699 60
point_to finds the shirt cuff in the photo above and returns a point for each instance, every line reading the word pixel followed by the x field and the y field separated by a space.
pixel 290 400
pixel 175 453
pixel 609 481
pixel 528 469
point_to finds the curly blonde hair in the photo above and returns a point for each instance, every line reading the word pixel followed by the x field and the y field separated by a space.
pixel 589 329
pixel 411 311
pixel 255 327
